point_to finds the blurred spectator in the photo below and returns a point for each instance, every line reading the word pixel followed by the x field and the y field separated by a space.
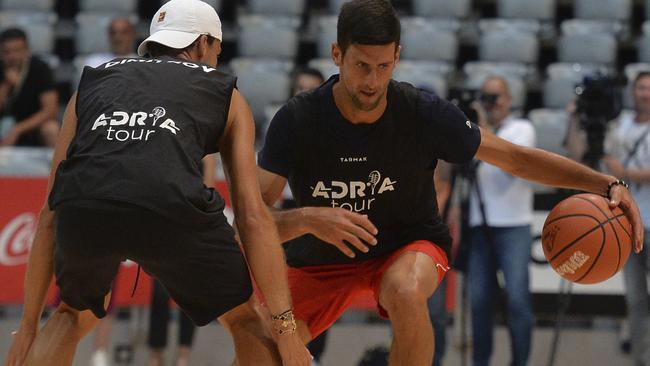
pixel 160 312
pixel 28 99
pixel 305 80
pixel 122 37
pixel 628 157
pixel 501 239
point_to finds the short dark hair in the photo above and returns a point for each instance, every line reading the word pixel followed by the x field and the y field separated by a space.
pixel 309 71
pixel 155 49
pixel 367 22
pixel 10 34
pixel 641 75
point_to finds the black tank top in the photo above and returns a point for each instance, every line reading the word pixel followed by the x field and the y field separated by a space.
pixel 143 126
pixel 384 169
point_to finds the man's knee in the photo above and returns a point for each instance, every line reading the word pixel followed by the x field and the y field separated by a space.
pixel 243 318
pixel 405 295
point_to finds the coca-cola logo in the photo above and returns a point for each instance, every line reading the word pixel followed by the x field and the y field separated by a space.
pixel 16 238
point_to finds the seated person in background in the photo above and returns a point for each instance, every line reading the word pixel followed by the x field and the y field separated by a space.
pixel 28 99
pixel 122 37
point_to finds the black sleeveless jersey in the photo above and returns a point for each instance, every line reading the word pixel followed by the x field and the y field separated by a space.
pixel 384 169
pixel 143 126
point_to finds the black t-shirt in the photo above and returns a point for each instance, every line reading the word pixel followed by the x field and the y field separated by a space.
pixel 143 127
pixel 384 169
pixel 25 100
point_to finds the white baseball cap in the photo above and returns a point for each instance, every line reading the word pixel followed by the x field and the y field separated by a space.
pixel 178 23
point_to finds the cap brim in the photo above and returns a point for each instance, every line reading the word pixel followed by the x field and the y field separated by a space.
pixel 169 38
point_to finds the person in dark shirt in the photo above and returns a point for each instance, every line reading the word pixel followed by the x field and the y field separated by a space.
pixel 126 183
pixel 28 99
pixel 359 154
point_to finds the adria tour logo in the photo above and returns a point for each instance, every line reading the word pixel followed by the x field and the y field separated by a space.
pixel 355 196
pixel 16 238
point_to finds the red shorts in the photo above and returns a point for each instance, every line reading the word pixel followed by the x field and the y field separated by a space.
pixel 321 294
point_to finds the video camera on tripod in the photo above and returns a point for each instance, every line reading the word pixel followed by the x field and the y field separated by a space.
pixel 599 101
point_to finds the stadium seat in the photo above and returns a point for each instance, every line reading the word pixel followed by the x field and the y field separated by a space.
pixel 39 27
pixel 477 72
pixel 429 39
pixel 422 74
pixel 562 79
pixel 262 82
pixel 326 26
pixel 509 46
pixel 550 127
pixel 526 9
pixel 603 9
pixel 113 6
pixel 531 26
pixel 585 41
pixel 31 5
pixel 442 8
pixel 325 65
pixel 92 31
pixel 262 36
pixel 644 43
pixel 277 7
pixel 214 3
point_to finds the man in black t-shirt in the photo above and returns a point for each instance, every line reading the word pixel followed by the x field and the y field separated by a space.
pixel 28 99
pixel 359 155
pixel 126 183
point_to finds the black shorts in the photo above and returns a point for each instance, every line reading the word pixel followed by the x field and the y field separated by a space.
pixel 203 269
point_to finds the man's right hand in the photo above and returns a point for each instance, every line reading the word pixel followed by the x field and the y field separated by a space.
pixel 292 350
pixel 341 228
pixel 22 340
pixel 12 76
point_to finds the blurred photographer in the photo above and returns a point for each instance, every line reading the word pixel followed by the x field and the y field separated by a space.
pixel 628 156
pixel 500 216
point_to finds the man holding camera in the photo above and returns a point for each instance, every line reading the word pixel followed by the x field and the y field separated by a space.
pixel 501 207
pixel 628 156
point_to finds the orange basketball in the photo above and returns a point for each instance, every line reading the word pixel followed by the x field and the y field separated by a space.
pixel 584 241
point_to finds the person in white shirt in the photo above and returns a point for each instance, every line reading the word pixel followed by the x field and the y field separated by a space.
pixel 628 156
pixel 500 241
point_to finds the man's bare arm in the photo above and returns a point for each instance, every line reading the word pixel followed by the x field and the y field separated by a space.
pixel 554 170
pixel 49 104
pixel 335 226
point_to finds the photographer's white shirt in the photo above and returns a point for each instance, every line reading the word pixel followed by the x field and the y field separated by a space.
pixel 620 143
pixel 508 200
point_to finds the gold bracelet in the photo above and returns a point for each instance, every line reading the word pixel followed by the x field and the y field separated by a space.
pixel 284 323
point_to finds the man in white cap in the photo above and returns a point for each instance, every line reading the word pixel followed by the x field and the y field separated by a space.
pixel 126 184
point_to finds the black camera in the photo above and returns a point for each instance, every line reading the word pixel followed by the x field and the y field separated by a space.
pixel 466 97
pixel 599 102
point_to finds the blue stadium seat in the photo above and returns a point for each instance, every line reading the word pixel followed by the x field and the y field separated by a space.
pixel 430 39
pixel 262 82
pixel 262 36
pixel 92 31
pixel 584 41
pixel 442 8
pixel 277 7
pixel 39 27
pixel 31 5
pixel 526 9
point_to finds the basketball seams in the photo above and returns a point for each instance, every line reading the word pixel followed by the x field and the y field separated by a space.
pixel 600 252
pixel 572 215
pixel 594 204
pixel 600 224
pixel 623 227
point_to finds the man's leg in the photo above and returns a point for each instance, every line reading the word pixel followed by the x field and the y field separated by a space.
pixel 513 249
pixel 439 320
pixel 56 343
pixel 636 297
pixel 251 335
pixel 482 291
pixel 405 289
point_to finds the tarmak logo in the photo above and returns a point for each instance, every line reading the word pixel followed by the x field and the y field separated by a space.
pixel 16 238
